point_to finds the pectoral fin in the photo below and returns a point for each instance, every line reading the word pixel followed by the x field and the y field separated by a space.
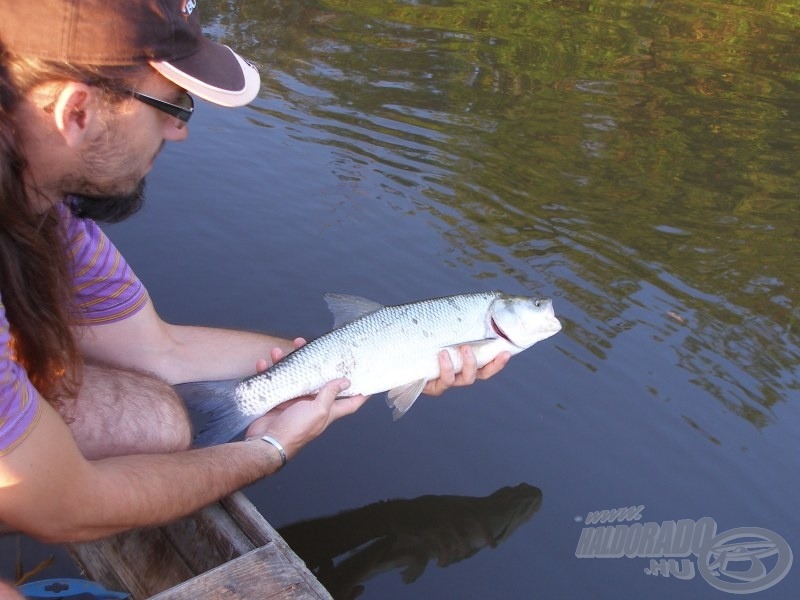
pixel 401 398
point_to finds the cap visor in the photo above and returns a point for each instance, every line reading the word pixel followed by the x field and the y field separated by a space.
pixel 214 73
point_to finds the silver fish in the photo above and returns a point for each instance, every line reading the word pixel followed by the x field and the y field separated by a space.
pixel 378 348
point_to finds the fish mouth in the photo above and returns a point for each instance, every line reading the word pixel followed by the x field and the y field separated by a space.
pixel 500 332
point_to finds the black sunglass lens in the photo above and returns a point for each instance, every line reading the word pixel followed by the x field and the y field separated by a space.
pixel 185 101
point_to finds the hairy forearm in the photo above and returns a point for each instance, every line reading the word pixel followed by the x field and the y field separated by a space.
pixel 176 353
pixel 144 490
pixel 95 498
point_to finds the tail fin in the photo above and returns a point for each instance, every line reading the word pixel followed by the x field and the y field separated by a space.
pixel 217 400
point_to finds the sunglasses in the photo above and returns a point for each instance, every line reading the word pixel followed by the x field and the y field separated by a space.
pixel 182 111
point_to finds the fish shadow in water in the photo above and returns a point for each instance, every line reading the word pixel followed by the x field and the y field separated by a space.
pixel 347 549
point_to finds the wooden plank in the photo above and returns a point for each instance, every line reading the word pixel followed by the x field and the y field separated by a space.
pixel 225 549
pixel 261 533
pixel 207 539
pixel 251 522
pixel 142 562
pixel 261 574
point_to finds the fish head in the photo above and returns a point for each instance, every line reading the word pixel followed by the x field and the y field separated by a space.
pixel 505 510
pixel 523 321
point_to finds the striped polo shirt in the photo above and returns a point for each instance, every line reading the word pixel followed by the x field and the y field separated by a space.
pixel 106 290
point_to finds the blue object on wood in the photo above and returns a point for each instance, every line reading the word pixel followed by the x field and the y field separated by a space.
pixel 74 589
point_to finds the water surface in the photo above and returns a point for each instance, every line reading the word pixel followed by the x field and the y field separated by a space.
pixel 635 161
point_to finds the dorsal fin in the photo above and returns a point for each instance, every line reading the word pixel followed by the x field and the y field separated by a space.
pixel 347 309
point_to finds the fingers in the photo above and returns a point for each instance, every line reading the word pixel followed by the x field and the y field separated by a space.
pixel 347 406
pixel 494 367
pixel 469 370
pixel 447 373
pixel 331 390
pixel 446 377
pixel 277 354
pixel 335 406
pixel 296 422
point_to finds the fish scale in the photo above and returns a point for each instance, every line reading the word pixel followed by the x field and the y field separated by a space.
pixel 378 348
pixel 387 348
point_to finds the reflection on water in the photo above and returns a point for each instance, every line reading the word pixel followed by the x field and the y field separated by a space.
pixel 347 549
pixel 614 151
pixel 636 161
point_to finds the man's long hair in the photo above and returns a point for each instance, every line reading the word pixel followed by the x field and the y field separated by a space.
pixel 36 286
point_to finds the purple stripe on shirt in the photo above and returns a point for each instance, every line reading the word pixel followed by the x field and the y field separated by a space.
pixel 106 290
pixel 19 402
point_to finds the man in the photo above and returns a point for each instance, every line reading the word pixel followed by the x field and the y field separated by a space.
pixel 93 439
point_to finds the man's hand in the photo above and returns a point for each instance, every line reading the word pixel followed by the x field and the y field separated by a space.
pixel 296 422
pixel 469 372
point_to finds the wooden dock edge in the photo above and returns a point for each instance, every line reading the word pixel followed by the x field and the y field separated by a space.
pixel 227 550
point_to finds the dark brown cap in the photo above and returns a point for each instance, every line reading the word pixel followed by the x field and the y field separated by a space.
pixel 164 33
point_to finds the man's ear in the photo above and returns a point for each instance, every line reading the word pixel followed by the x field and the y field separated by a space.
pixel 74 110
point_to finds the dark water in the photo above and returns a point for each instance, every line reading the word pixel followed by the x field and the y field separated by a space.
pixel 635 161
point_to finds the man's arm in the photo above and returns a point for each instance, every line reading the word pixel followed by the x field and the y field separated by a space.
pixel 49 490
pixel 177 353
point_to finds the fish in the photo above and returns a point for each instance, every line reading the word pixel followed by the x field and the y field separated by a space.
pixel 377 348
